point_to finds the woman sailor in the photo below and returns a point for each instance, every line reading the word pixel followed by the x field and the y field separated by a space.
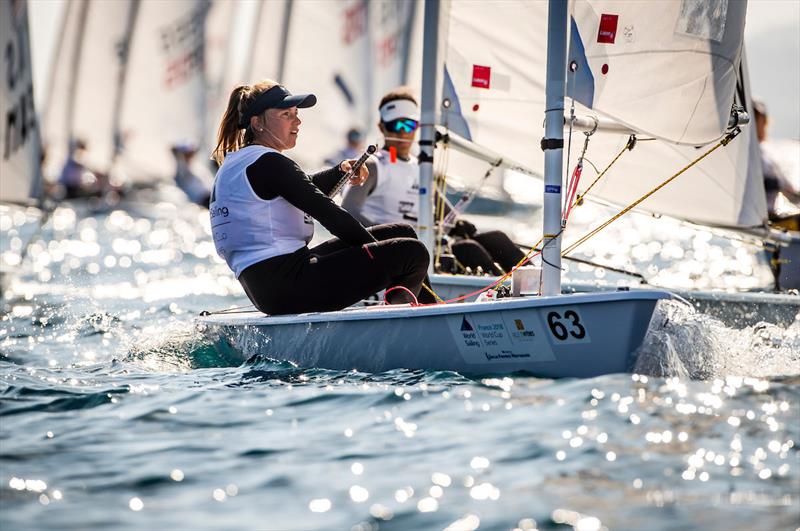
pixel 262 207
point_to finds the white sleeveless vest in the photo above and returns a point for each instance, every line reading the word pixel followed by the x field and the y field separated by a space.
pixel 246 228
pixel 396 193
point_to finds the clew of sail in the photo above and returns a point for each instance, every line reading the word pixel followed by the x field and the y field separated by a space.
pixel 494 85
pixel 20 174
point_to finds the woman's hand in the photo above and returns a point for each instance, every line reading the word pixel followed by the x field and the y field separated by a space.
pixel 359 178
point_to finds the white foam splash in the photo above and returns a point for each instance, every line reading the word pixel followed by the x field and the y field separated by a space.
pixel 175 346
pixel 685 343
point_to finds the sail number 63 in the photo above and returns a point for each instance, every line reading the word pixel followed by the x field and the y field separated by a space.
pixel 567 326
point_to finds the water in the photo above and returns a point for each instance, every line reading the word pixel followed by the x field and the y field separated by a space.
pixel 116 413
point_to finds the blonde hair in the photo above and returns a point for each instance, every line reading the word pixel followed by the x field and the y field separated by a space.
pixel 231 137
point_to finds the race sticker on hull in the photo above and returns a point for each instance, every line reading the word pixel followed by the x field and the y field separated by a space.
pixel 505 337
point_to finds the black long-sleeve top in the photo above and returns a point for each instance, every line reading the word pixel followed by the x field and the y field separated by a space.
pixel 274 174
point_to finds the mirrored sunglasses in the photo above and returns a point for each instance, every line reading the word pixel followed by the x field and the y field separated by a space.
pixel 401 125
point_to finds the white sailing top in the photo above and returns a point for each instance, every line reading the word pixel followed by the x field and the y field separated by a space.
pixel 246 228
pixel 396 194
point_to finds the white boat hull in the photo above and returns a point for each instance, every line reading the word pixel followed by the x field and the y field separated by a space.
pixel 733 309
pixel 581 335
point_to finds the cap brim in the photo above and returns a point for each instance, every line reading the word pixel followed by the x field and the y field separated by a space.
pixel 298 100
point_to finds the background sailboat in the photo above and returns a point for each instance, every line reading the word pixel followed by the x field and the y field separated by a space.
pixel 87 80
pixel 20 172
pixel 164 97
pixel 134 77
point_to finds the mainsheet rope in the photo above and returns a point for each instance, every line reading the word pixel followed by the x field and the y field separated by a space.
pixel 723 142
pixel 579 200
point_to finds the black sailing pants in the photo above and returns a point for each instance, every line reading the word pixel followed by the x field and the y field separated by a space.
pixel 334 275
pixel 486 249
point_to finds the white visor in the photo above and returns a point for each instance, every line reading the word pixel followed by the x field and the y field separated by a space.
pixel 399 109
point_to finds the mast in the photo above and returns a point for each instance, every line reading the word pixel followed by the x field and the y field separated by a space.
pixel 553 145
pixel 431 66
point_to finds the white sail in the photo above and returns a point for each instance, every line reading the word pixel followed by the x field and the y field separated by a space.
pixel 219 30
pixel 349 54
pixel 19 132
pixel 220 39
pixel 164 99
pixel 666 69
pixel 392 26
pixel 56 128
pixel 494 86
pixel 95 90
pixel 86 81
pixel 328 53
pixel 725 189
pixel 266 52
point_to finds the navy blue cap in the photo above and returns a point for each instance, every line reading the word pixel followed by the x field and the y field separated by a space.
pixel 276 98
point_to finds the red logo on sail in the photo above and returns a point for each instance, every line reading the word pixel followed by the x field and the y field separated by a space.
pixel 608 29
pixel 481 76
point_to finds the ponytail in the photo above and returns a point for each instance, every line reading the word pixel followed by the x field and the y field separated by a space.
pixel 230 137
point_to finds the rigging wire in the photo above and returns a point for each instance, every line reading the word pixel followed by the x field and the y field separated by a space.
pixel 723 142
pixel 569 150
pixel 628 147
pixel 572 184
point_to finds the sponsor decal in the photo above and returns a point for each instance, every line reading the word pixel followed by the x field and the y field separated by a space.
pixel 491 338
pixel 481 76
pixel 607 33
pixel 552 189
pixel 219 211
